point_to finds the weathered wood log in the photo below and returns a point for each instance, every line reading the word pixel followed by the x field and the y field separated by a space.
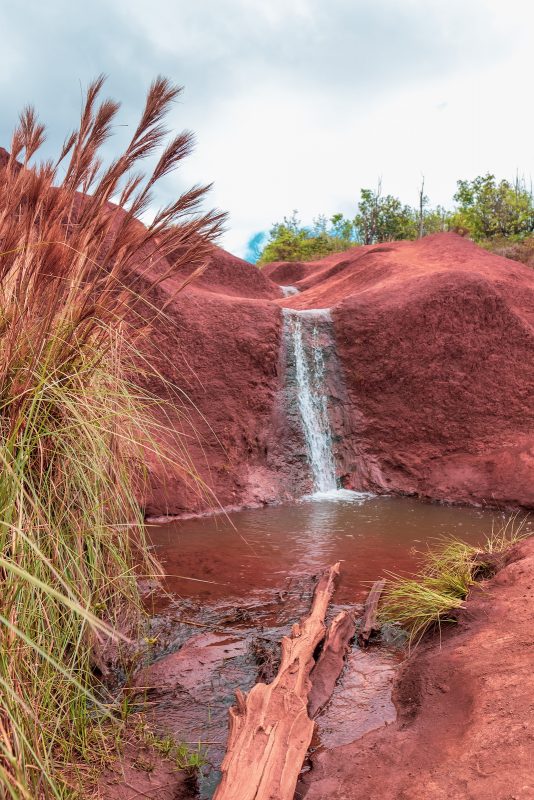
pixel 331 661
pixel 369 624
pixel 269 729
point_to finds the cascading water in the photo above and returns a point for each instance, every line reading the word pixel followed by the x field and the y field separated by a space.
pixel 288 291
pixel 305 332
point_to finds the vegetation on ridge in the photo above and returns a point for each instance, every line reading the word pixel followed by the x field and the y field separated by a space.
pixel 489 211
pixel 72 424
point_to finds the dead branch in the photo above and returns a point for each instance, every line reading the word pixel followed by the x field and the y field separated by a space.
pixel 331 661
pixel 369 624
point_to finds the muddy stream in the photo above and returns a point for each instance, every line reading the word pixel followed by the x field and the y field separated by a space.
pixel 237 583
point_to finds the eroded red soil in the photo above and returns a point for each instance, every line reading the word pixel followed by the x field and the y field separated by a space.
pixel 218 345
pixel 465 728
pixel 435 342
pixel 142 772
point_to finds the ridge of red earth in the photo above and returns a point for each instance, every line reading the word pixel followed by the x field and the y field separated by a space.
pixel 465 726
pixel 433 396
pixel 216 348
pixel 435 342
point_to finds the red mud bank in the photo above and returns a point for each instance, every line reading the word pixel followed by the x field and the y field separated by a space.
pixel 219 343
pixel 435 343
pixel 465 727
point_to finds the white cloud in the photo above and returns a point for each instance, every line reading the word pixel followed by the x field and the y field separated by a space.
pixel 295 105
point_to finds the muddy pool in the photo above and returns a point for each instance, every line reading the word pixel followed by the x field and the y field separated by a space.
pixel 236 583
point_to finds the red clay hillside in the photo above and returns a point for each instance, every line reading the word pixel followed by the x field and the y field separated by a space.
pixel 435 340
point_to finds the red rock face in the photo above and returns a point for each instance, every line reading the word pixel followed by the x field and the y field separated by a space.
pixel 219 346
pixel 435 347
pixel 436 344
pixel 464 703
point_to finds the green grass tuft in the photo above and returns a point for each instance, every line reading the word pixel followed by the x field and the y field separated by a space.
pixel 441 586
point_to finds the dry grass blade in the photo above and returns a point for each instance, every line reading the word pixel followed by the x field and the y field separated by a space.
pixel 72 271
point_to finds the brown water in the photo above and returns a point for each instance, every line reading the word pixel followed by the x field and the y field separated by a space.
pixel 237 583
pixel 251 551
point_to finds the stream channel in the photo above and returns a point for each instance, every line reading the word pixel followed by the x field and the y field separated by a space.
pixel 236 583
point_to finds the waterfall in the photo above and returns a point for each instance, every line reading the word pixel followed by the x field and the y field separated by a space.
pixel 306 334
pixel 288 291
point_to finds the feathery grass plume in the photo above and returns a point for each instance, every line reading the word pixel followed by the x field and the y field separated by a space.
pixel 74 261
pixel 443 582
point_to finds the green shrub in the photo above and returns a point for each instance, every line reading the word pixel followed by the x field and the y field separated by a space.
pixel 439 589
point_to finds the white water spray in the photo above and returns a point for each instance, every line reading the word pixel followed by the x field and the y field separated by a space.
pixel 289 291
pixel 303 336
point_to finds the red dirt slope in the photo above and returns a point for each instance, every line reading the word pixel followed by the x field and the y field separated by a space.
pixel 436 343
pixel 219 343
pixel 465 729
pixel 231 276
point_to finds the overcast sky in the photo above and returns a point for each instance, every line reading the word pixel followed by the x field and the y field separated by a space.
pixel 296 104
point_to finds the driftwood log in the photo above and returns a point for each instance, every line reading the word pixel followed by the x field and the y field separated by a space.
pixel 369 624
pixel 269 729
pixel 331 661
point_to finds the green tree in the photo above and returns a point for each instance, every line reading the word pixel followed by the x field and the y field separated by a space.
pixel 487 209
pixel 494 210
pixel 384 219
pixel 436 220
pixel 291 241
pixel 343 228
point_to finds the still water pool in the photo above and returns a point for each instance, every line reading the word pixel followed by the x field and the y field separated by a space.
pixel 253 551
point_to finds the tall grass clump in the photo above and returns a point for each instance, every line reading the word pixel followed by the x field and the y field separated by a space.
pixel 443 582
pixel 72 258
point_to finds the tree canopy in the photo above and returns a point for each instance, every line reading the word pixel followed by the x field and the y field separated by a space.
pixel 489 209
pixel 291 241
pixel 486 210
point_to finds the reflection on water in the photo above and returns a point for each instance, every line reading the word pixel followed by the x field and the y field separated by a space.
pixel 254 550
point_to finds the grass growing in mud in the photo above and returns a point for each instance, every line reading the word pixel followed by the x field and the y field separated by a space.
pixel 72 425
pixel 182 755
pixel 443 583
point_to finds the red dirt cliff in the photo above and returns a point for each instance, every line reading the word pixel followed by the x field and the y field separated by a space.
pixel 218 342
pixel 435 341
